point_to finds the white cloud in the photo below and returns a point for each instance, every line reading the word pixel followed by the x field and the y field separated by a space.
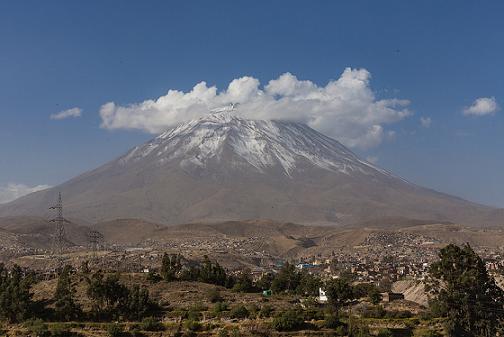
pixel 13 191
pixel 425 122
pixel 70 113
pixel 346 109
pixel 482 106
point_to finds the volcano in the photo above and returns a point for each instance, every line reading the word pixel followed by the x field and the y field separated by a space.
pixel 221 167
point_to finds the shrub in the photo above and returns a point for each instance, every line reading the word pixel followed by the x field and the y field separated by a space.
pixel 219 307
pixel 37 327
pixel 313 313
pixel 332 321
pixel 398 314
pixel 153 277
pixel 115 330
pixel 235 332
pixel 239 312
pixel 213 295
pixel 198 307
pixel 193 315
pixel 385 333
pixel 223 333
pixel 427 333
pixel 152 324
pixel 289 320
pixel 341 330
pixel 60 330
pixel 266 311
pixel 137 333
pixel 253 310
pixel 192 325
pixel 375 311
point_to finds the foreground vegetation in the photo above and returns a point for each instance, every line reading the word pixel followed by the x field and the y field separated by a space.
pixel 191 299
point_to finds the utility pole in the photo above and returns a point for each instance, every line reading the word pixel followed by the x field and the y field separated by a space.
pixel 59 220
pixel 95 239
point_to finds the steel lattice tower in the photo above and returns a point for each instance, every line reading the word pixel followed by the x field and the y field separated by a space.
pixel 59 220
pixel 95 239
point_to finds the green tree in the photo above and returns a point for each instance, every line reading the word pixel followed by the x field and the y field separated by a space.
pixel 374 295
pixel 113 299
pixel 138 304
pixel 308 284
pixel 243 282
pixel 473 303
pixel 66 308
pixel 212 272
pixel 15 298
pixel 339 294
pixel 287 279
pixel 264 283
pixel 170 267
pixel 289 320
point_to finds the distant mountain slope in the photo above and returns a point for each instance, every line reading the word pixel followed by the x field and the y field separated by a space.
pixel 221 167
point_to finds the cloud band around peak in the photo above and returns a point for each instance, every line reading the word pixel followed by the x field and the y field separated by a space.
pixel 346 109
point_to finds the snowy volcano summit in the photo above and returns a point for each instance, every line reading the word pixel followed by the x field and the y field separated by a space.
pixel 221 167
pixel 256 144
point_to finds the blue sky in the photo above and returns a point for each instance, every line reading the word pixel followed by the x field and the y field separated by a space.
pixel 441 56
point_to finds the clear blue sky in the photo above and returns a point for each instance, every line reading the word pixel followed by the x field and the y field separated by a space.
pixel 440 55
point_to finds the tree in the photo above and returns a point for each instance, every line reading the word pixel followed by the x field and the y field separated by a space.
pixel 212 272
pixel 170 267
pixel 473 303
pixel 243 282
pixel 138 304
pixel 308 284
pixel 65 307
pixel 289 320
pixel 374 295
pixel 112 298
pixel 264 283
pixel 339 293
pixel 287 279
pixel 15 298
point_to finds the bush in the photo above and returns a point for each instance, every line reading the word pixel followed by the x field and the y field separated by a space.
pixel 253 310
pixel 214 296
pixel 152 324
pixel 115 330
pixel 239 312
pixel 266 311
pixel 313 313
pixel 235 332
pixel 341 330
pixel 289 320
pixel 153 277
pixel 427 333
pixel 359 329
pixel 398 314
pixel 332 321
pixel 223 333
pixel 219 307
pixel 60 330
pixel 37 327
pixel 385 333
pixel 136 333
pixel 192 325
pixel 375 311
pixel 193 315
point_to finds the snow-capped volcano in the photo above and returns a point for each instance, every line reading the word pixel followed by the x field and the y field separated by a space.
pixel 221 167
pixel 259 143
